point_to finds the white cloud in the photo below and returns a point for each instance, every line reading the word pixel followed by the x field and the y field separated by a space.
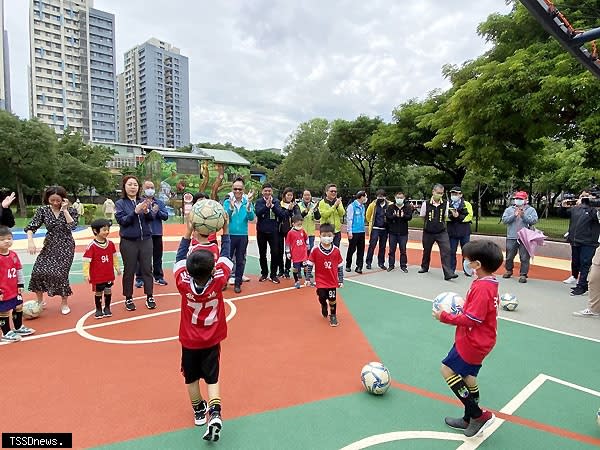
pixel 258 68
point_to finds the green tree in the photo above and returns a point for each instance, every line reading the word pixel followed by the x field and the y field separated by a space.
pixel 29 149
pixel 351 141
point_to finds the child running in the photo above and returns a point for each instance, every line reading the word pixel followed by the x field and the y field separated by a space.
pixel 329 271
pixel 100 265
pixel 476 329
pixel 296 249
pixel 12 282
pixel 203 325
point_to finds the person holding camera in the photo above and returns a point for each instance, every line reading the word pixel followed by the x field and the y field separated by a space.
pixel 584 230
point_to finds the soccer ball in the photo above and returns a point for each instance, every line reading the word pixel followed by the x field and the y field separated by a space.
pixel 450 302
pixel 32 309
pixel 509 302
pixel 375 378
pixel 207 216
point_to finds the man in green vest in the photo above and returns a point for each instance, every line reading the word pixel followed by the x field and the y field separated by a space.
pixel 332 211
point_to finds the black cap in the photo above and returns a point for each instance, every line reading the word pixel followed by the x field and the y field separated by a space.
pixel 456 189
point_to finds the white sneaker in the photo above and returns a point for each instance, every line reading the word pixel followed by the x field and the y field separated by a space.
pixel 587 312
pixel 231 281
pixel 65 309
pixel 11 336
pixel 25 331
pixel 245 278
pixel 570 280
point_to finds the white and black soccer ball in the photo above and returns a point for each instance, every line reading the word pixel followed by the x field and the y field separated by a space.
pixel 450 302
pixel 375 378
pixel 509 302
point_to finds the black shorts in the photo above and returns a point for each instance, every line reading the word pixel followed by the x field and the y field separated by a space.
pixel 326 294
pixel 100 287
pixel 197 364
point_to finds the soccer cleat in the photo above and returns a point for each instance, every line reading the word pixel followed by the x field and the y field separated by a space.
pixel 333 320
pixel 587 312
pixel 99 314
pixel 129 305
pixel 25 331
pixel 11 336
pixel 245 278
pixel 458 423
pixel 200 414
pixel 477 426
pixel 263 278
pixel 107 312
pixel 523 279
pixel 150 303
pixel 507 274
pixel 214 427
pixel 139 283
pixel 161 281
pixel 275 279
pixel 297 285
pixel 570 280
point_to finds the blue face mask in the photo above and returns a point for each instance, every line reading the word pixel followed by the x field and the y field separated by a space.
pixel 467 268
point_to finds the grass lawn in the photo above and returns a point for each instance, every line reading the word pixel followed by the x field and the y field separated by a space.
pixel 553 227
pixel 20 222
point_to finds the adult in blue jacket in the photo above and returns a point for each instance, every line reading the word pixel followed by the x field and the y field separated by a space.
pixel 268 216
pixel 158 214
pixel 355 217
pixel 134 215
pixel 240 209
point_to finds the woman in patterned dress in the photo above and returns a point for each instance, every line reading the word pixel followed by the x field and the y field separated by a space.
pixel 51 269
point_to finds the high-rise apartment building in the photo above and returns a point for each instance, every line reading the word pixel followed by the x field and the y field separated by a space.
pixel 72 73
pixel 5 69
pixel 155 93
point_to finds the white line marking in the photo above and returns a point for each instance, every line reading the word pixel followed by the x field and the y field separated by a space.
pixel 403 435
pixel 508 319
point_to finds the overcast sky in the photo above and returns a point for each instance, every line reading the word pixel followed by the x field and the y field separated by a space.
pixel 258 68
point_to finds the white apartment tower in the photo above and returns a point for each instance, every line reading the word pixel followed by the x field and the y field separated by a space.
pixel 4 69
pixel 154 96
pixel 72 67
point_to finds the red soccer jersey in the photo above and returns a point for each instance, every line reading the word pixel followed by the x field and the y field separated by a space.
pixel 203 320
pixel 326 266
pixel 477 325
pixel 101 259
pixel 213 248
pixel 297 242
pixel 10 275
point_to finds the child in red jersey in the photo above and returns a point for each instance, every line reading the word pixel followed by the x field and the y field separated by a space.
pixel 296 248
pixel 328 264
pixel 202 325
pixel 476 330
pixel 11 287
pixel 100 265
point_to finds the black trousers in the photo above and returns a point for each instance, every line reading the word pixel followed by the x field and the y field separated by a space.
pixel 134 253
pixel 399 240
pixel 157 254
pixel 378 238
pixel 284 264
pixel 443 242
pixel 356 244
pixel 272 240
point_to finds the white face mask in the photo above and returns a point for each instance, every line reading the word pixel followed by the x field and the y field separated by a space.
pixel 454 198
pixel 327 239
pixel 519 202
pixel 149 192
pixel 365 199
pixel 399 201
pixel 298 228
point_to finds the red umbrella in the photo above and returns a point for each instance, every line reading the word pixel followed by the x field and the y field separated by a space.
pixel 531 239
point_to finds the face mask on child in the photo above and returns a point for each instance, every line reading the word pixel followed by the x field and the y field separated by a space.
pixel 468 269
pixel 297 227
pixel 327 239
